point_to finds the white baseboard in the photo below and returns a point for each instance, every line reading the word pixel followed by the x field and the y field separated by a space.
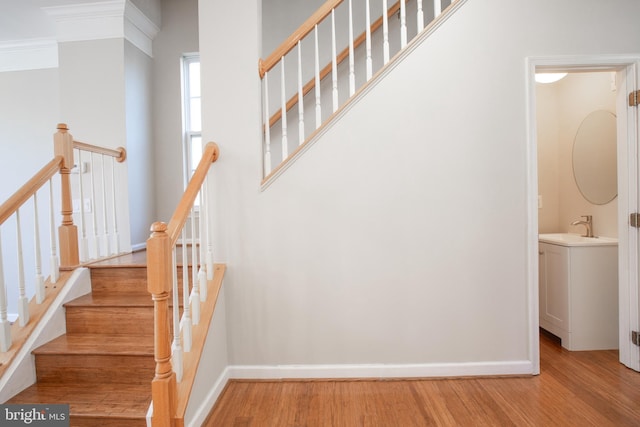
pixel 428 370
pixel 203 411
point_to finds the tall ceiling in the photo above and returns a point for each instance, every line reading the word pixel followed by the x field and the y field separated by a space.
pixel 25 19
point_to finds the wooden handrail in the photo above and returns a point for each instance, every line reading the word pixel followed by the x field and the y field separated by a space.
pixel 159 284
pixel 339 59
pixel 180 215
pixel 291 41
pixel 120 153
pixel 25 192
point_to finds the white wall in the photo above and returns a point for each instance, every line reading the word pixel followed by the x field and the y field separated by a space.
pixel 281 17
pixel 210 378
pixel 401 236
pixel 29 112
pixel 140 147
pixel 178 35
pixel 561 108
pixel 93 104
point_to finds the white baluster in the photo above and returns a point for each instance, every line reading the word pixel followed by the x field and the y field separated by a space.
pixel 403 24
pixel 54 261
pixel 105 225
pixel 84 245
pixel 23 302
pixel 352 66
pixel 437 8
pixel 334 62
pixel 185 324
pixel 39 280
pixel 267 128
pixel 208 234
pixel 300 98
pixel 317 73
pixel 385 31
pixel 368 41
pixel 95 252
pixel 176 347
pixel 116 238
pixel 202 271
pixel 420 16
pixel 5 326
pixel 194 298
pixel 283 100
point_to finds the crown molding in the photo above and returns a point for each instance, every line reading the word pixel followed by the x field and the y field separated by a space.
pixel 139 29
pixel 28 54
pixel 103 20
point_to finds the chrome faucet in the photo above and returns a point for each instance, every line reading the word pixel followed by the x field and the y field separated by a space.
pixel 588 223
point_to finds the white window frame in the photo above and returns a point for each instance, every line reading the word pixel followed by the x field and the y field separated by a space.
pixel 188 133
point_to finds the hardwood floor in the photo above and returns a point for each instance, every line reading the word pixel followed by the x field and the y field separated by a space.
pixel 574 389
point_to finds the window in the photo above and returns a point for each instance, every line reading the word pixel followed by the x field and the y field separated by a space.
pixel 192 117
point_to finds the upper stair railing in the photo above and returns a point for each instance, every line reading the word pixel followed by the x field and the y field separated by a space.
pixel 178 344
pixel 314 43
pixel 86 181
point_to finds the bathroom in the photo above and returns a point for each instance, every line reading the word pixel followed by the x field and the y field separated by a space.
pixel 571 114
pixel 561 108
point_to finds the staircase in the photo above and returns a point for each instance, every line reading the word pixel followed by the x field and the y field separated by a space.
pixel 103 366
pixel 299 101
pixel 116 354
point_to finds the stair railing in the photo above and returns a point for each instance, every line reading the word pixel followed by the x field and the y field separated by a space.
pixel 174 339
pixel 277 138
pixel 63 249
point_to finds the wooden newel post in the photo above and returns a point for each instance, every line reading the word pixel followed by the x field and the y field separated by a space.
pixel 67 232
pixel 163 387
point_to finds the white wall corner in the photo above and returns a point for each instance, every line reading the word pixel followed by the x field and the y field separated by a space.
pixel 103 20
pixel 214 393
pixel 28 54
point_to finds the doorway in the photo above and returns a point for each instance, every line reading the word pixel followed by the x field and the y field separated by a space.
pixel 612 217
pixel 577 196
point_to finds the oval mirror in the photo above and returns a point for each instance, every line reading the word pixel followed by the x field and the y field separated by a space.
pixel 595 166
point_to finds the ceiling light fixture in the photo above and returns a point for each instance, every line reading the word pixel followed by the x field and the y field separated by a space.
pixel 549 77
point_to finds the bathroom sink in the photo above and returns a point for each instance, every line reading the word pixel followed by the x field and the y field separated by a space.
pixel 569 239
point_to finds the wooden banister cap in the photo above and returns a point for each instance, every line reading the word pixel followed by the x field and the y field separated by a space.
pixel 159 227
pixel 216 151
pixel 123 154
pixel 62 127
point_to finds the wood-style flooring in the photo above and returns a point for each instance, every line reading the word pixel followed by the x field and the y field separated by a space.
pixel 574 389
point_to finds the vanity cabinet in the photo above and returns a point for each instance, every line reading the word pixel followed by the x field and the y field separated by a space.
pixel 578 294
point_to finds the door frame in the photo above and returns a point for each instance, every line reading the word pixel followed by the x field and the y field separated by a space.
pixel 626 68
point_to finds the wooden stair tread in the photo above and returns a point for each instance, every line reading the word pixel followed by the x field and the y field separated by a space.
pixel 105 300
pixel 96 344
pixel 133 259
pixel 128 300
pixel 95 400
